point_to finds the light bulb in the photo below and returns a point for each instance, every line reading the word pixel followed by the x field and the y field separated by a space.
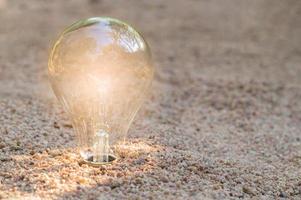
pixel 100 70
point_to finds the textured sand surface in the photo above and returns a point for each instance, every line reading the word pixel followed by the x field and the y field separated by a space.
pixel 223 121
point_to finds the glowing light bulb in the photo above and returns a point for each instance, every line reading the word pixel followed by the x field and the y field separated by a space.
pixel 100 70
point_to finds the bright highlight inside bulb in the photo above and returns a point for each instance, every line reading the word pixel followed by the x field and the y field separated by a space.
pixel 100 70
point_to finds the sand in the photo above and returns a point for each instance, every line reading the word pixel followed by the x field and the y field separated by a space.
pixel 223 120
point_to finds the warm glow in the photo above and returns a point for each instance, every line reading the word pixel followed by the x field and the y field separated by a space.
pixel 100 70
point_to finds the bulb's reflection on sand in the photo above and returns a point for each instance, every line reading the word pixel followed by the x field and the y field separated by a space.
pixel 64 169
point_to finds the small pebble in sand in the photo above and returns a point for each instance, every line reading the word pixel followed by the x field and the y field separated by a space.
pixel 55 125
pixel 2 145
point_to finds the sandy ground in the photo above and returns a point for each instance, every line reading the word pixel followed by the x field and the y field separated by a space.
pixel 223 121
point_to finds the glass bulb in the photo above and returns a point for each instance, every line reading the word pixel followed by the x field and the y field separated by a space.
pixel 100 70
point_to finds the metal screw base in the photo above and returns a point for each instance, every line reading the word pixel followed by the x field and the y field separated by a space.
pixel 90 161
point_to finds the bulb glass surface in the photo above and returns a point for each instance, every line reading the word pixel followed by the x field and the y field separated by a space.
pixel 100 70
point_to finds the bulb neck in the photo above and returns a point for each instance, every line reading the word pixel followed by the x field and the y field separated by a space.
pixel 101 147
pixel 100 153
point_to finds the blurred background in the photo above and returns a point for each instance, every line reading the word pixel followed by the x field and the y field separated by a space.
pixel 225 109
pixel 232 39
